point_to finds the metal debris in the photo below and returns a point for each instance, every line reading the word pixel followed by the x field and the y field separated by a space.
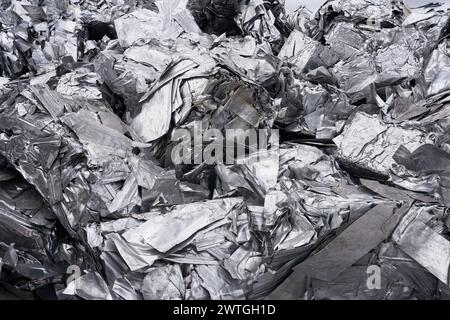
pixel 349 171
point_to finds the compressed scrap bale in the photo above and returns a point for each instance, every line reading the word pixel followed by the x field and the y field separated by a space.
pixel 354 103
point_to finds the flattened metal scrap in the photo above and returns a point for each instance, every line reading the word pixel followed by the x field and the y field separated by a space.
pixel 92 93
pixel 363 235
pixel 182 222
pixel 423 244
pixel 370 143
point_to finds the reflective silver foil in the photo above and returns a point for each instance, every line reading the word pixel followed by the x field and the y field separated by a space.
pixel 355 101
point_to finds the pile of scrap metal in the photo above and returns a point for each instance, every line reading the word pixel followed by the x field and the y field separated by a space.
pixel 93 205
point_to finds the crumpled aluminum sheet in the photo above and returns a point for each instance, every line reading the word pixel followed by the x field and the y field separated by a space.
pixel 92 206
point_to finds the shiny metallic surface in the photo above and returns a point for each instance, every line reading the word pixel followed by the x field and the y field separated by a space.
pixel 354 177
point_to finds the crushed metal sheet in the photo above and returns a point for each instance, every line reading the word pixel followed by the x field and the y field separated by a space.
pixel 354 102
